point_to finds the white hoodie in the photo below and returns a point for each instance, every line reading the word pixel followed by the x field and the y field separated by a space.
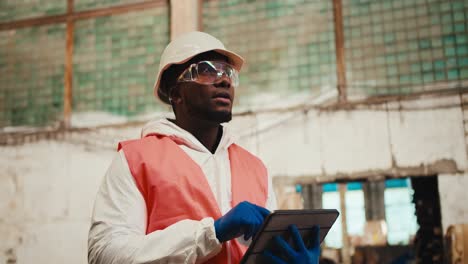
pixel 118 227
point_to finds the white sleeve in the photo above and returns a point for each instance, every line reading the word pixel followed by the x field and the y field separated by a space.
pixel 271 203
pixel 118 227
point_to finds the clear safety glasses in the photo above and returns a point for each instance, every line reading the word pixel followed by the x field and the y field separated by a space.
pixel 209 72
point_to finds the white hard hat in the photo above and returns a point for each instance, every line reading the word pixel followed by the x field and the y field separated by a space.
pixel 185 47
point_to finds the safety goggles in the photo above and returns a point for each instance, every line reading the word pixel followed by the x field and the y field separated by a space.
pixel 209 72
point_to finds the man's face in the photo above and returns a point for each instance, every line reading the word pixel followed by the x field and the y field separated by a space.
pixel 211 102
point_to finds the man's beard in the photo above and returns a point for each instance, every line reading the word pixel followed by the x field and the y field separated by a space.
pixel 203 113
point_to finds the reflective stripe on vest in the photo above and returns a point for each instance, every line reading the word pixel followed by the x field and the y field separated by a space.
pixel 175 188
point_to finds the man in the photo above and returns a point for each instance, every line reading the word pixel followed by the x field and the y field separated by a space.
pixel 184 192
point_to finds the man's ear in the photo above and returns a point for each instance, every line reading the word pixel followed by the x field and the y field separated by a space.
pixel 175 95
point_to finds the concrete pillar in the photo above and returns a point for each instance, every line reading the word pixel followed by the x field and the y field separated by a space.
pixel 374 200
pixel 312 196
pixel 185 16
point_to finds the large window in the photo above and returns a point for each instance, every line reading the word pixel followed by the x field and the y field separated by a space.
pixel 115 59
pixel 289 46
pixel 399 210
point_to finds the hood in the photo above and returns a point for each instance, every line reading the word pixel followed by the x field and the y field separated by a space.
pixel 180 136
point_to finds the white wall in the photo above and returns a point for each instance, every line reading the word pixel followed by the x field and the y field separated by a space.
pixel 47 188
pixel 46 195
pixel 356 143
pixel 453 199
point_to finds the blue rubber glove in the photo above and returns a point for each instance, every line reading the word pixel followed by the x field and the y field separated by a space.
pixel 244 219
pixel 300 255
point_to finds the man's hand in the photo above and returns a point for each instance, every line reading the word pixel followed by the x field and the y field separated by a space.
pixel 244 219
pixel 302 255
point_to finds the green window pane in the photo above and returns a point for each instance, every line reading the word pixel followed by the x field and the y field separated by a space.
pixel 462 50
pixel 428 77
pixel 427 66
pixel 462 39
pixel 449 51
pixel 439 64
pixel 449 39
pixel 463 62
pixel 453 74
pixel 440 75
pixel 464 73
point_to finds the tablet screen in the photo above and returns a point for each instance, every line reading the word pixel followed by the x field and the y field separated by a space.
pixel 277 224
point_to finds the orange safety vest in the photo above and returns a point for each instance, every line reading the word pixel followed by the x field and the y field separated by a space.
pixel 175 188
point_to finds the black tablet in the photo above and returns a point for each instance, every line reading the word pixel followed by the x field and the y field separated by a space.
pixel 277 224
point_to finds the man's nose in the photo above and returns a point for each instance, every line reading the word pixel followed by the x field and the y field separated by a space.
pixel 223 82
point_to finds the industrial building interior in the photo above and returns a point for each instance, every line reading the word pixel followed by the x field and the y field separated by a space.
pixel 356 105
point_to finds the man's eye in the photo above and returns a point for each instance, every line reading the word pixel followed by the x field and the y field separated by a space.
pixel 210 71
